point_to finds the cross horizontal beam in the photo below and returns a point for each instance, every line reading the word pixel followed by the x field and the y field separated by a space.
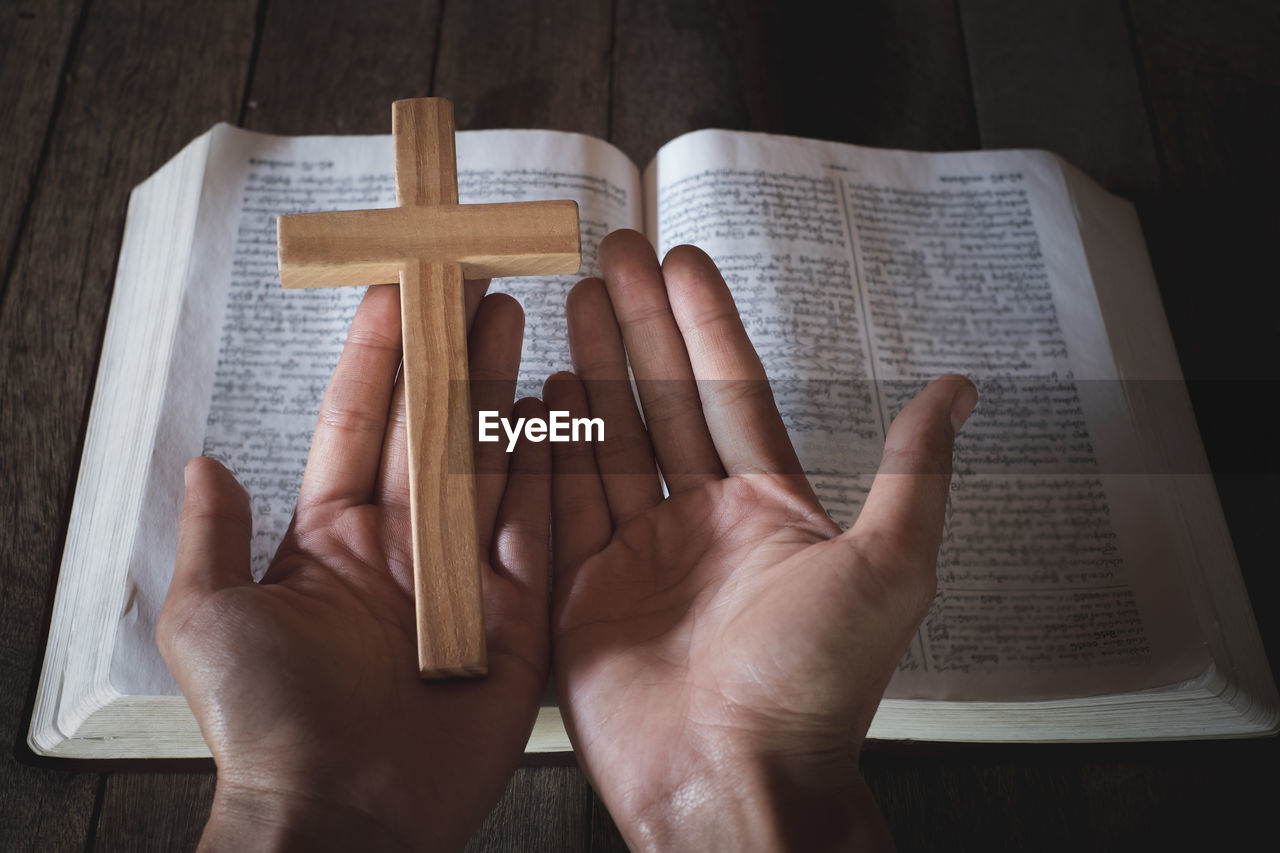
pixel 428 243
pixel 486 240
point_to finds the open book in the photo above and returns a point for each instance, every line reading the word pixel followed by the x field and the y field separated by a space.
pixel 1087 585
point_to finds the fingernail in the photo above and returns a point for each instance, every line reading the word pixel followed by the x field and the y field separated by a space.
pixel 963 403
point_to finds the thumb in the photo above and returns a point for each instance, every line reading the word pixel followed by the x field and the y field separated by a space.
pixel 900 526
pixel 213 541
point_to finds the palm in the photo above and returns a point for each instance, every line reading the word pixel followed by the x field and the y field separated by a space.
pixel 683 634
pixel 704 557
pixel 306 685
pixel 729 620
pixel 330 624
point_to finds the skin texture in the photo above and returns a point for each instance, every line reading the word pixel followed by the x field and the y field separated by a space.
pixel 306 685
pixel 719 653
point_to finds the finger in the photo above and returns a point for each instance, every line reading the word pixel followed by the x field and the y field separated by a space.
pixel 900 526
pixel 664 377
pixel 736 399
pixel 522 527
pixel 348 442
pixel 516 588
pixel 494 346
pixel 579 510
pixel 214 534
pixel 392 488
pixel 624 457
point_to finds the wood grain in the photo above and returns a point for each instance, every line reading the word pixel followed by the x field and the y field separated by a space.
pixel 889 73
pixel 324 66
pixel 446 564
pixel 682 66
pixel 144 78
pixel 544 808
pixel 134 92
pixel 1062 77
pixel 487 240
pixel 1212 77
pixel 1066 77
pixel 532 64
pixel 35 41
pixel 538 64
pixel 426 244
pixel 426 161
pixel 154 811
pixel 312 73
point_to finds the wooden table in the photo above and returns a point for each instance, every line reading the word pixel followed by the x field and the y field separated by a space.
pixel 1173 104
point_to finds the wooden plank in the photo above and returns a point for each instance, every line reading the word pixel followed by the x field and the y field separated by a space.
pixel 35 38
pixel 448 599
pixel 681 66
pixel 426 244
pixel 42 809
pixel 134 94
pixel 1065 77
pixel 325 67
pixel 161 811
pixel 960 799
pixel 314 74
pixel 319 72
pixel 605 837
pixel 426 161
pixel 541 64
pixel 336 248
pixel 544 808
pixel 1061 76
pixel 888 73
pixel 1197 795
pixel 1212 76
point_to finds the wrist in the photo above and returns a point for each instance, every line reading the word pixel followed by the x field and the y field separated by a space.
pixel 245 818
pixel 764 802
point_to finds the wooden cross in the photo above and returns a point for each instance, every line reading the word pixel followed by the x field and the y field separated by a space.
pixel 428 244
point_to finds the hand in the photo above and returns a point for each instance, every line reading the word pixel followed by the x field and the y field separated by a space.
pixel 720 653
pixel 306 685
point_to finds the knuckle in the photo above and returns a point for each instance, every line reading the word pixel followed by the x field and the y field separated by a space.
pixel 347 418
pixel 643 309
pixel 665 402
pixel 915 459
pixel 618 449
pixel 736 392
pixel 369 339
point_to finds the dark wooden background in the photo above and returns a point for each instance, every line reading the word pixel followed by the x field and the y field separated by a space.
pixel 1175 105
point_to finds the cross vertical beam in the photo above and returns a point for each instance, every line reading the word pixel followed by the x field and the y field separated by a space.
pixel 442 493
pixel 427 244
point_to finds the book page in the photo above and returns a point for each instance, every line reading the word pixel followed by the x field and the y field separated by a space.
pixel 256 358
pixel 862 274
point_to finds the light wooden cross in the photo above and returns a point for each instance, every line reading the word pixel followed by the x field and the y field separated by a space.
pixel 428 244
